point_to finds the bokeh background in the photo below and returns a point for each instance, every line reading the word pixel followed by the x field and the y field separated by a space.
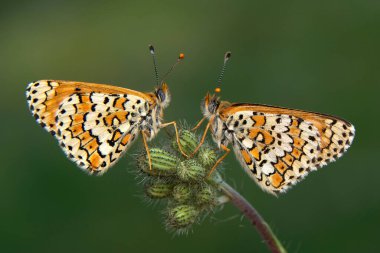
pixel 314 55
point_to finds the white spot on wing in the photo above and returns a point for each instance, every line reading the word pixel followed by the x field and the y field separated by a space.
pixel 267 168
pixel 247 143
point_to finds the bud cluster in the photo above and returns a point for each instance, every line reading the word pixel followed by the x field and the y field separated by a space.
pixel 184 183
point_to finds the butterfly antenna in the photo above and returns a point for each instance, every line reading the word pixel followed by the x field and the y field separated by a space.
pixel 152 52
pixel 179 59
pixel 227 56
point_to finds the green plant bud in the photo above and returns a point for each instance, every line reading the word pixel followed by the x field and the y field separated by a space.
pixel 188 141
pixel 182 193
pixel 182 216
pixel 191 170
pixel 206 196
pixel 158 189
pixel 163 163
pixel 207 156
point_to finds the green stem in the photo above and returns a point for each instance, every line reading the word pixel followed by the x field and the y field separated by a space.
pixel 251 213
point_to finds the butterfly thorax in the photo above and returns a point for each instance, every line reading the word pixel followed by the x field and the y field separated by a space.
pixel 150 120
pixel 213 110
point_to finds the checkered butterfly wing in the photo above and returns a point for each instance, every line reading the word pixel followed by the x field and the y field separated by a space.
pixel 279 146
pixel 93 123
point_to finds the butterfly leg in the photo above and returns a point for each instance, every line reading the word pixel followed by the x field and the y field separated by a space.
pixel 198 124
pixel 176 135
pixel 202 140
pixel 147 149
pixel 227 150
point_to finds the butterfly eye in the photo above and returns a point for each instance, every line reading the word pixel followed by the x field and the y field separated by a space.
pixel 161 95
pixel 213 105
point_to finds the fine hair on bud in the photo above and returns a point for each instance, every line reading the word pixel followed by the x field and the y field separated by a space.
pixel 191 171
pixel 188 141
pixel 207 156
pixel 182 193
pixel 158 189
pixel 206 196
pixel 163 163
pixel 181 217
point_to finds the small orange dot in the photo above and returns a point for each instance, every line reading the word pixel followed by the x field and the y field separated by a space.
pixel 218 90
pixel 181 56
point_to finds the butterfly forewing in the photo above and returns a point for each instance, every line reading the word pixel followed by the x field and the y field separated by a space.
pixel 279 146
pixel 94 123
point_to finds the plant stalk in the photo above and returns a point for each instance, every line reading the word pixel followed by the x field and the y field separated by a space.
pixel 252 215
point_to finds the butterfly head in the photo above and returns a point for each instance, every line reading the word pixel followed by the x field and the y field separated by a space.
pixel 163 95
pixel 210 105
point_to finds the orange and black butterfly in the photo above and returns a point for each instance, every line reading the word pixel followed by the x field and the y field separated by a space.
pixel 276 146
pixel 96 123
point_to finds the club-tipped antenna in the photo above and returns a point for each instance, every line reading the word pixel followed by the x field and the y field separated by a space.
pixel 181 56
pixel 227 56
pixel 152 52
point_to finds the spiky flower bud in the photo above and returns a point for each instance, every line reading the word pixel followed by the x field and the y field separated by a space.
pixel 182 183
pixel 207 156
pixel 163 163
pixel 206 196
pixel 191 170
pixel 181 216
pixel 158 189
pixel 188 141
pixel 182 193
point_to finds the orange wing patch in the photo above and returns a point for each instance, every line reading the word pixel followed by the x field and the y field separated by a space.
pixel 281 166
pixel 246 156
pixel 259 120
pixel 276 180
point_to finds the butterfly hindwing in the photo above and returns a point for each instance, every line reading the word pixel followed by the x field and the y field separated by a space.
pixel 278 146
pixel 94 123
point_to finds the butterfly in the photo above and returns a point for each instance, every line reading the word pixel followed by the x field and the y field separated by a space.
pixel 276 146
pixel 96 123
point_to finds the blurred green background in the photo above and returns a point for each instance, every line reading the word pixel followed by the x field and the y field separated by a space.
pixel 314 55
